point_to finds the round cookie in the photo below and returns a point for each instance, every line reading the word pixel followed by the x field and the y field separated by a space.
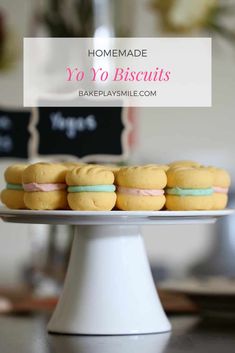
pixel 221 184
pixel 45 187
pixel 127 202
pixel 13 195
pixel 141 188
pixel 142 177
pixel 92 201
pixel 189 189
pixel 220 201
pixel 189 178
pixel 189 203
pixel 13 174
pixel 89 174
pixel 41 200
pixel 43 173
pixel 90 188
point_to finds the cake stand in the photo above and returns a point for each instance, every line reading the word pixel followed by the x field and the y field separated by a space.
pixel 108 288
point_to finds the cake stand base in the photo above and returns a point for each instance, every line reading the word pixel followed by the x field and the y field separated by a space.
pixel 109 288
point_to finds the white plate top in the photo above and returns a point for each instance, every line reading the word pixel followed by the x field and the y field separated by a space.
pixel 111 217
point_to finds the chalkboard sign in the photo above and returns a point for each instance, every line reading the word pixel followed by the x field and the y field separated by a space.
pixel 14 135
pixel 88 133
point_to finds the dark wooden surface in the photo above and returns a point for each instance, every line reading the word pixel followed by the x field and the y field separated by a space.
pixel 20 334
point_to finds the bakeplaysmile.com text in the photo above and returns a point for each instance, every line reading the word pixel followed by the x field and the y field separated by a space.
pixel 117 93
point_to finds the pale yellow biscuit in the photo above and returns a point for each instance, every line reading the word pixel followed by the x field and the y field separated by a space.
pixel 90 175
pixel 184 163
pixel 44 173
pixel 13 198
pixel 142 177
pixel 139 203
pixel 92 201
pixel 194 178
pixel 40 200
pixel 220 201
pixel 189 203
pixel 221 177
pixel 189 178
pixel 13 174
pixel 148 177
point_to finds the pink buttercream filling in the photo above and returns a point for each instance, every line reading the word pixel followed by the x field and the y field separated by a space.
pixel 140 192
pixel 44 187
pixel 220 190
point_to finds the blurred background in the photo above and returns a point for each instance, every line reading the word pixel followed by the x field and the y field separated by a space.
pixel 162 134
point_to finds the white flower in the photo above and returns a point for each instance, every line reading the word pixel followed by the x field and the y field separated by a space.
pixel 187 14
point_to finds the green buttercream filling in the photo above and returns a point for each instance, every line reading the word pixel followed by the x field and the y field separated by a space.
pixel 92 188
pixel 189 192
pixel 14 186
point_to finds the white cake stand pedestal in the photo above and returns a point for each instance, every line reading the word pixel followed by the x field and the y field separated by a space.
pixel 109 289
